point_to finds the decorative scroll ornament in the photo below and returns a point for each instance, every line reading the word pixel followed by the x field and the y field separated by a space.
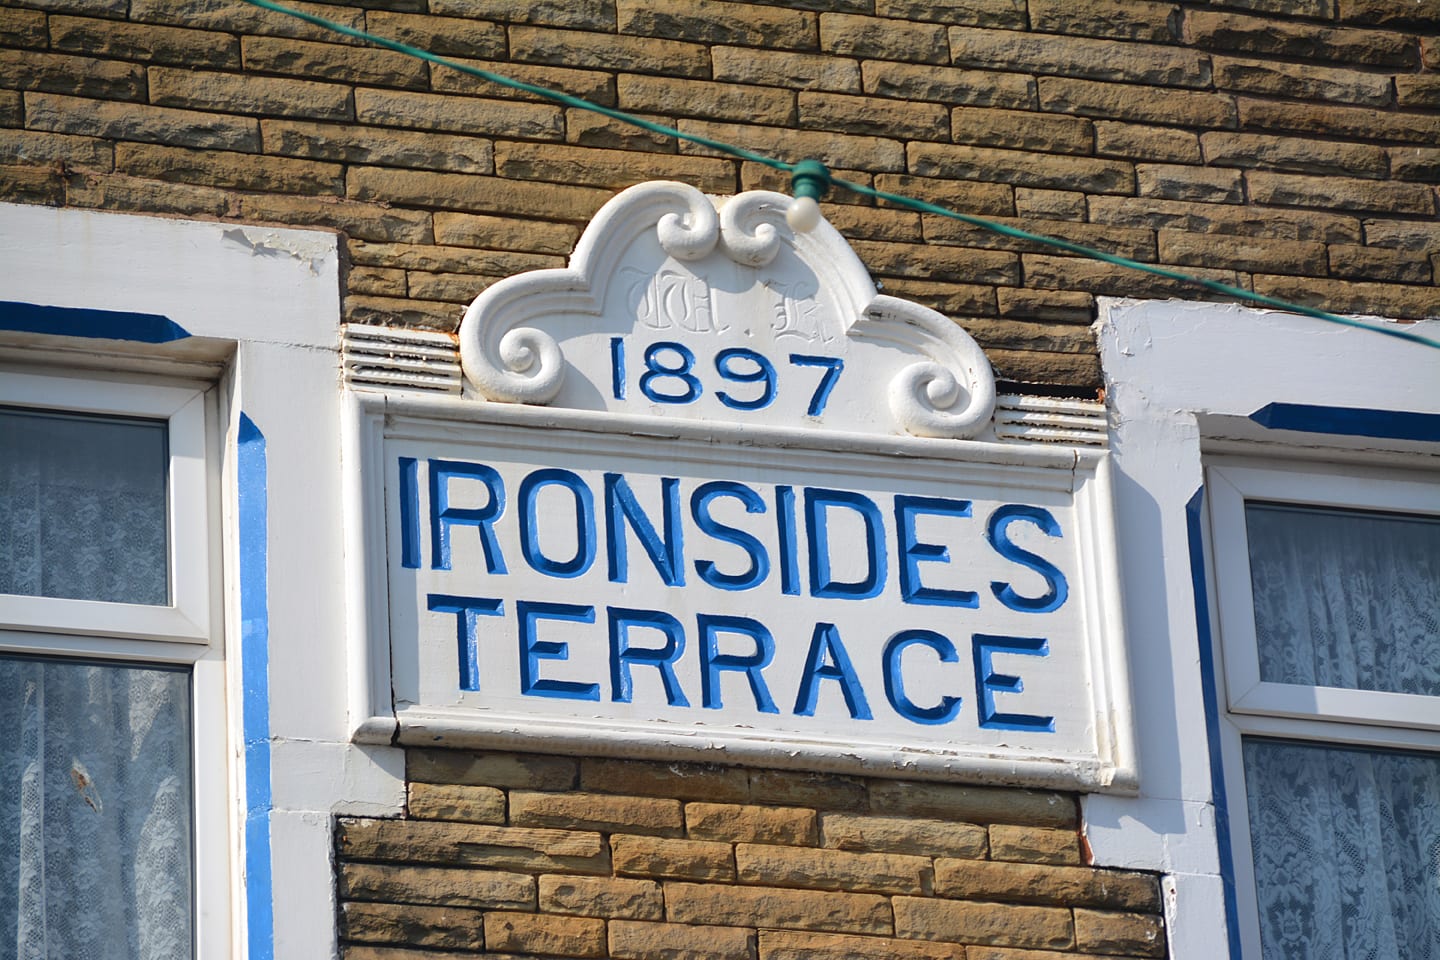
pixel 677 305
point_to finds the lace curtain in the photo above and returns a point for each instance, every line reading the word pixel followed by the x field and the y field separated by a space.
pixel 1346 842
pixel 95 826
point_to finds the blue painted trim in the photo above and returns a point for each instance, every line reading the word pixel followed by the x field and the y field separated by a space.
pixel 1350 421
pixel 1210 691
pixel 92 324
pixel 255 684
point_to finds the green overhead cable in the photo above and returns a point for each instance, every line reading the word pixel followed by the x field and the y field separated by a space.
pixel 813 179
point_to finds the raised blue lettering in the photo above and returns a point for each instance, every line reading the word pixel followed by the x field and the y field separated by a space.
pixel 817 513
pixel 828 660
pixel 759 559
pixel 533 650
pixel 623 656
pixel 988 682
pixel 912 551
pixel 948 707
pixel 443 516
pixel 997 532
pixel 467 612
pixel 530 489
pixel 622 507
pixel 713 662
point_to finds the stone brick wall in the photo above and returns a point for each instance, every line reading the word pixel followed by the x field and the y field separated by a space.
pixel 512 854
pixel 1296 153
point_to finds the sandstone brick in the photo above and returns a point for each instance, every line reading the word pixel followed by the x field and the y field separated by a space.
pixel 1058 886
pixel 581 14
pixel 375 281
pixel 966 196
pixel 1127 242
pixel 439 259
pixel 1415 163
pixel 146 43
pixel 883 39
pixel 705 98
pixel 411 925
pixel 758 176
pixel 235 16
pixel 365 951
pixel 1143 142
pixel 25 28
pixel 872 223
pixel 587 129
pixel 490 195
pixel 461 844
pixel 1303 257
pixel 240 171
pixel 78 76
pixel 873 115
pixel 346 143
pixel 574 48
pixel 365 221
pixel 1104 279
pixel 734 822
pixel 952 299
pixel 787 69
pixel 948 85
pixel 28 184
pixel 882 834
pixel 979 952
pixel 1030 337
pixel 602 897
pixel 1216 30
pixel 836 150
pixel 1355 262
pixel 333 61
pixel 986 923
pixel 24 147
pixel 1065 306
pixel 545 933
pixel 134 194
pixel 1229 219
pixel 12 108
pixel 116 120
pixel 683 781
pixel 1118 101
pixel 718 22
pixel 1301 82
pixel 823 791
pixel 271 96
pixel 598 811
pixel 1329 120
pixel 464 36
pixel 924 262
pixel 449 287
pixel 1412 235
pixel 633 940
pixel 1049 204
pixel 1422 13
pixel 1174 182
pixel 1021 168
pixel 771 907
pixel 1122 19
pixel 1132 934
pixel 466 115
pixel 439 886
pixel 1078 371
pixel 1401 301
pixel 684 859
pixel 1293 154
pixel 611 169
pixel 1338 193
pixel 391 312
pixel 1005 14
pixel 1418 91
pixel 593 85
pixel 505 233
pixel 1022 130
pixel 795 945
pixel 436 801
pixel 832 869
pixel 1079 57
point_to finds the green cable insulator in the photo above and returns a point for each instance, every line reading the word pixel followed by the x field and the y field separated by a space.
pixel 810 178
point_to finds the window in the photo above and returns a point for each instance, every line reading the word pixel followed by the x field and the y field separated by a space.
pixel 112 772
pixel 1328 593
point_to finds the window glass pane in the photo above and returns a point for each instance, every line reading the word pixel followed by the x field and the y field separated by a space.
pixel 1346 850
pixel 82 507
pixel 1346 598
pixel 95 810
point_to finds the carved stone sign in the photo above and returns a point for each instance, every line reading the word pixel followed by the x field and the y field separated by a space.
pixel 709 495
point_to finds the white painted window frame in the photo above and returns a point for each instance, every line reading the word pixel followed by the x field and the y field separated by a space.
pixel 1359 719
pixel 185 632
